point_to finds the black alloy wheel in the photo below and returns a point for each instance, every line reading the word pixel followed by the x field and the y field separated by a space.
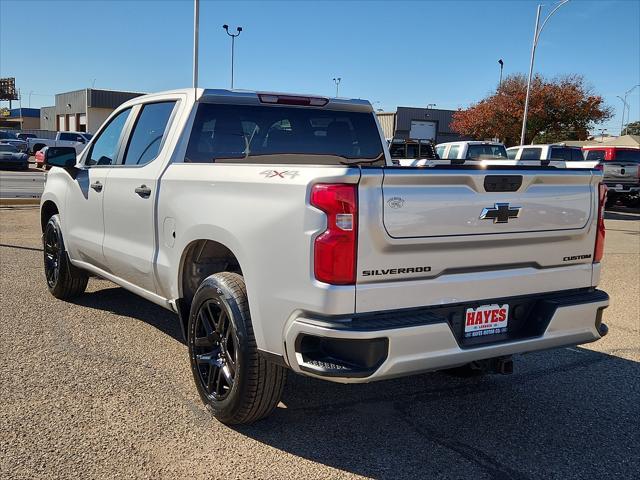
pixel 52 255
pixel 64 281
pixel 216 349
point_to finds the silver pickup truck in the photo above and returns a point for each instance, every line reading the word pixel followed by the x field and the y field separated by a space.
pixel 279 231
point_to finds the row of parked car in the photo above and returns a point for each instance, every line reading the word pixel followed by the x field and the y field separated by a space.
pixel 620 165
pixel 16 147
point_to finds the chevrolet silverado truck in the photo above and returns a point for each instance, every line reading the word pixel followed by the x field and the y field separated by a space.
pixel 280 232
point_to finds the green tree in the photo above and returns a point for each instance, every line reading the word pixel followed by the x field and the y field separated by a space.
pixel 563 108
pixel 632 128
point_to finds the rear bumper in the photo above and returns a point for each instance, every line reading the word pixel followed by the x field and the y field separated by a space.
pixel 392 344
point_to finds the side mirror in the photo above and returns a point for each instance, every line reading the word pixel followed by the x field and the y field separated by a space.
pixel 64 157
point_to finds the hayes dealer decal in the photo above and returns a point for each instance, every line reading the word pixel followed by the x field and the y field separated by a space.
pixel 486 320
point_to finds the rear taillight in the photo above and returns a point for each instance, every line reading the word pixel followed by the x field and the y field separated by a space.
pixel 334 252
pixel 598 251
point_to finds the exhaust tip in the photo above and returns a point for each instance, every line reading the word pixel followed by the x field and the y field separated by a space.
pixel 603 329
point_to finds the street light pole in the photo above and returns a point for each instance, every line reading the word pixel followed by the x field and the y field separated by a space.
pixel 626 105
pixel 337 82
pixel 536 36
pixel 624 109
pixel 233 43
pixel 196 21
pixel 501 67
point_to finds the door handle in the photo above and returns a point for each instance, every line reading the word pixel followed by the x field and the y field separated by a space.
pixel 97 186
pixel 143 191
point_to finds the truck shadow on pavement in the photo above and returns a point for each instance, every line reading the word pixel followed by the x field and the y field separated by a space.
pixel 569 413
pixel 566 413
pixel 119 301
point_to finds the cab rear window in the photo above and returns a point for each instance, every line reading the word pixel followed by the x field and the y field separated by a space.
pixel 627 156
pixel 290 135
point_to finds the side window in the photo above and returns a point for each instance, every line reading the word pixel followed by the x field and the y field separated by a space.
pixel 412 150
pixel 105 148
pixel 595 155
pixel 440 151
pixel 144 142
pixel 576 155
pixel 511 153
pixel 453 152
pixel 531 154
pixel 563 154
pixel 68 137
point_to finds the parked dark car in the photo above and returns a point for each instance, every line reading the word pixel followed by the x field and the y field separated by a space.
pixel 12 139
pixel 10 157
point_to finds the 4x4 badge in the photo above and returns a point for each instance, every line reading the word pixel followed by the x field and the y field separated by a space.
pixel 500 213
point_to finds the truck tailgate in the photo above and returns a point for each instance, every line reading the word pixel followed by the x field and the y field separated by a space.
pixel 439 204
pixel 619 172
pixel 441 236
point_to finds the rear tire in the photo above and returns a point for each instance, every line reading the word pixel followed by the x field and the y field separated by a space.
pixel 64 281
pixel 237 385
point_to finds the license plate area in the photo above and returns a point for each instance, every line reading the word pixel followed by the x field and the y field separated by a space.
pixel 525 317
pixel 492 319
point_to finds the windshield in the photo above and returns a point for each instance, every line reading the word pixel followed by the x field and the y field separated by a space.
pixel 256 133
pixel 88 136
pixel 8 136
pixel 486 152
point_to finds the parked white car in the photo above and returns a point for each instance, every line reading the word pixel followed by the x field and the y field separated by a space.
pixel 573 157
pixel 471 150
pixel 278 229
pixel 77 140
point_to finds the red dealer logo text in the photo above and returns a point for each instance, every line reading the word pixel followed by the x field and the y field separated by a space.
pixel 486 316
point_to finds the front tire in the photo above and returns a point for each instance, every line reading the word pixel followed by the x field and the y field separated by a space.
pixel 64 281
pixel 237 385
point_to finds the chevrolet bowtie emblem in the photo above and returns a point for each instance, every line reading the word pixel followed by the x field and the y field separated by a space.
pixel 500 213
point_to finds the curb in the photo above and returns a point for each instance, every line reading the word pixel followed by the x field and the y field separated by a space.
pixel 19 201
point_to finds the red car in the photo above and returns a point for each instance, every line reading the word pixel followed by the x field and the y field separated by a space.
pixel 621 168
pixel 40 158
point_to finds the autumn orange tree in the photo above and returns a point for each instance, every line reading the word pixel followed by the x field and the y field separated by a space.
pixel 563 108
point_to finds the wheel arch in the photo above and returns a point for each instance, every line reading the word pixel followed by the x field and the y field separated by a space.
pixel 201 258
pixel 48 209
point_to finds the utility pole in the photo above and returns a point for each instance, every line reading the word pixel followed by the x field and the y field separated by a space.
pixel 536 36
pixel 233 43
pixel 196 20
pixel 337 82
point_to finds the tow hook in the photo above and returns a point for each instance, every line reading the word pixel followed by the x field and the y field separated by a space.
pixel 502 365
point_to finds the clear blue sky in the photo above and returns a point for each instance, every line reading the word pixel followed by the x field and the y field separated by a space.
pixel 396 53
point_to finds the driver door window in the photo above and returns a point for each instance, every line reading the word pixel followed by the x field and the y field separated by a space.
pixel 104 150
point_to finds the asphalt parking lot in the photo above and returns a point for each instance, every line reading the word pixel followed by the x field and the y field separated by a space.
pixel 101 388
